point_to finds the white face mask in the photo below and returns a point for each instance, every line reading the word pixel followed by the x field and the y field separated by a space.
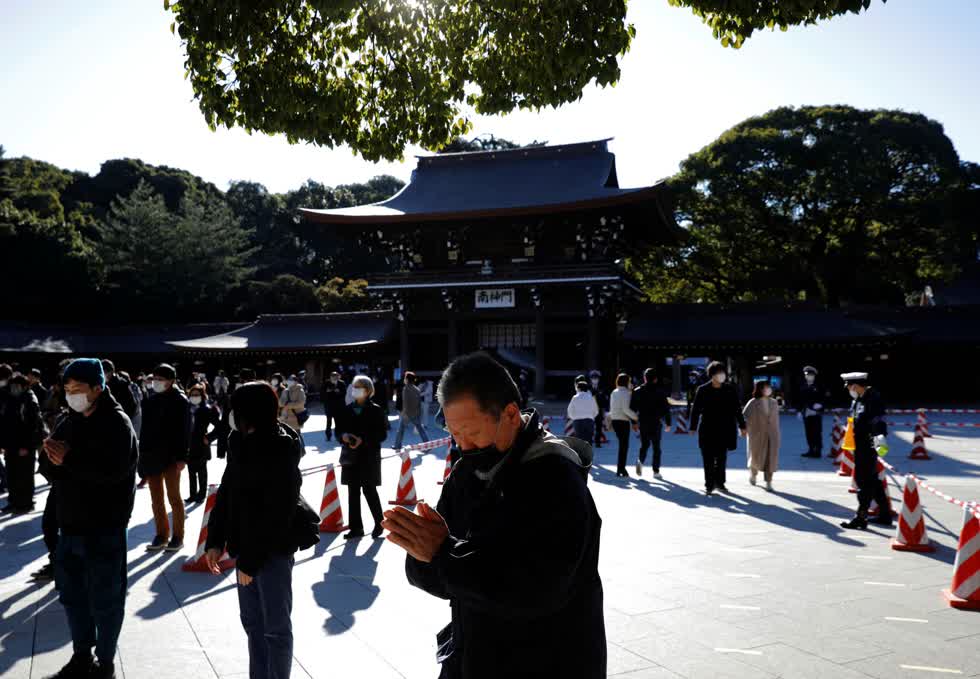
pixel 595 381
pixel 290 383
pixel 195 400
pixel 3 383
pixel 159 386
pixel 275 383
pixel 359 393
pixel 77 402
pixel 767 391
pixel 720 378
pixel 853 392
pixel 810 379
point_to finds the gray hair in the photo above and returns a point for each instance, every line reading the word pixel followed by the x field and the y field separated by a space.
pixel 364 381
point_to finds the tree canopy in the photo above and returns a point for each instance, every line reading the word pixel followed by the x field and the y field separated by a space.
pixel 831 204
pixel 379 76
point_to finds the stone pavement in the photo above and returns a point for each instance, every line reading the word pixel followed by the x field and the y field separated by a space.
pixel 754 584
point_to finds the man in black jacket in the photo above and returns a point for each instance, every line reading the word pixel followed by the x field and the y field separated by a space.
pixel 810 405
pixel 119 387
pixel 93 456
pixel 164 442
pixel 514 541
pixel 870 432
pixel 650 402
pixel 22 432
pixel 333 393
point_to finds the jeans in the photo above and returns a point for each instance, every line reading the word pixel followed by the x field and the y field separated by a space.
pixel 171 479
pixel 197 475
pixel 622 429
pixel 651 433
pixel 403 422
pixel 813 426
pixel 715 465
pixel 90 572
pixel 354 506
pixel 583 429
pixel 265 606
pixel 20 478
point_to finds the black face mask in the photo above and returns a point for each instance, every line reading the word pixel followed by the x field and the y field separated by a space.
pixel 491 449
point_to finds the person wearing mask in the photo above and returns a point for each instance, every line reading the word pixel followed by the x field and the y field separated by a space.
pixel 6 372
pixel 221 385
pixel 717 417
pixel 602 400
pixel 411 411
pixel 582 411
pixel 361 428
pixel 292 403
pixel 119 388
pixel 163 455
pixel 650 404
pixel 622 416
pixel 22 433
pixel 92 456
pixel 513 543
pixel 36 385
pixel 810 405
pixel 334 393
pixel 870 434
pixel 204 427
pixel 253 520
pixel 278 383
pixel 762 424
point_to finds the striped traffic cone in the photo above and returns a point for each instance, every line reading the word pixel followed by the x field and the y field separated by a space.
pixel 836 435
pixel 681 426
pixel 919 451
pixel 911 535
pixel 875 510
pixel 449 463
pixel 405 495
pixel 846 463
pixel 198 564
pixel 922 420
pixel 331 514
pixel 964 593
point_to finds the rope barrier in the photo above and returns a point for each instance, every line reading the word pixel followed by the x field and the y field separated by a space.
pixel 972 507
pixel 936 424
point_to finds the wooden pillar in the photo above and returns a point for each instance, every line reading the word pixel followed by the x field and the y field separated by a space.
pixel 403 347
pixel 539 353
pixel 592 360
pixel 453 338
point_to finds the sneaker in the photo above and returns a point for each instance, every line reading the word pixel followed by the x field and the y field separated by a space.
pixel 752 479
pixel 857 523
pixel 158 545
pixel 639 469
pixel 79 667
pixel 175 545
pixel 45 574
pixel 769 486
pixel 658 476
pixel 100 671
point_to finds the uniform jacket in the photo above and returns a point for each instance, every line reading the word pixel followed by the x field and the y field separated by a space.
pixel 253 513
pixel 371 426
pixel 868 412
pixel 95 485
pixel 165 430
pixel 811 396
pixel 649 401
pixel 717 416
pixel 520 568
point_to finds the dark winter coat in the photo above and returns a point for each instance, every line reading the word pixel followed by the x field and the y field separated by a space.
pixel 202 418
pixel 717 416
pixel 650 402
pixel 165 430
pixel 22 425
pixel 810 395
pixel 333 396
pixel 869 420
pixel 371 425
pixel 123 394
pixel 520 568
pixel 253 513
pixel 96 483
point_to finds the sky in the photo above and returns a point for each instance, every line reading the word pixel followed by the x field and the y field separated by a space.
pixel 84 82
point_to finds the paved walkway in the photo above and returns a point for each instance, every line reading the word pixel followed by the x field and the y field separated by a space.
pixel 753 585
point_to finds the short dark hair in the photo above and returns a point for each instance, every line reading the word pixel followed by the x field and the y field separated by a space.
pixel 166 371
pixel 622 380
pixel 479 376
pixel 108 366
pixel 410 377
pixel 247 374
pixel 716 367
pixel 649 374
pixel 19 378
pixel 759 386
pixel 5 371
pixel 255 405
pixel 582 385
pixel 201 387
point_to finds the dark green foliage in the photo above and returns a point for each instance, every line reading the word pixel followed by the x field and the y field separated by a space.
pixel 831 204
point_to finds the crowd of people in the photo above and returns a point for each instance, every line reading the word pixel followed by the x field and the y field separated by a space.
pixel 97 430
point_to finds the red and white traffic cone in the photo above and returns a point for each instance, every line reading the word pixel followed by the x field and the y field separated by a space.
pixel 546 423
pixel 569 429
pixel 836 436
pixel 681 426
pixel 854 485
pixel 922 420
pixel 449 464
pixel 405 494
pixel 964 593
pixel 198 564
pixel 911 535
pixel 846 463
pixel 919 451
pixel 875 510
pixel 331 514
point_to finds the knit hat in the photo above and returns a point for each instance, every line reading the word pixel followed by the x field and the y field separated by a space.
pixel 86 370
pixel 165 371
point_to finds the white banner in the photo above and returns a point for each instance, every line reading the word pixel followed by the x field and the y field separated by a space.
pixel 495 299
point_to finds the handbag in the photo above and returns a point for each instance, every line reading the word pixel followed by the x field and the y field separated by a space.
pixel 348 456
pixel 302 416
pixel 306 525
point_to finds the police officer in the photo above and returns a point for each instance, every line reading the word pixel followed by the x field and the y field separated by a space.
pixel 870 430
pixel 810 405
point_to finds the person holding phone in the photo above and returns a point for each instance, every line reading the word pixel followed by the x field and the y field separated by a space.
pixel 361 428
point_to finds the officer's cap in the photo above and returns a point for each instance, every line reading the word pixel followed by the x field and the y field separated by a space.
pixel 854 378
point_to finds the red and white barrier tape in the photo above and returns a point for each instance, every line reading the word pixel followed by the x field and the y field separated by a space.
pixel 944 411
pixel 937 424
pixel 973 507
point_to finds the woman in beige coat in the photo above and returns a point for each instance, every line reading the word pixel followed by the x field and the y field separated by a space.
pixel 292 401
pixel 762 422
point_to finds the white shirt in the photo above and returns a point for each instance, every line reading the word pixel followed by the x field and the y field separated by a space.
pixel 582 407
pixel 619 405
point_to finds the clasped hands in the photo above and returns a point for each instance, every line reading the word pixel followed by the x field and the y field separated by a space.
pixel 421 534
pixel 353 441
